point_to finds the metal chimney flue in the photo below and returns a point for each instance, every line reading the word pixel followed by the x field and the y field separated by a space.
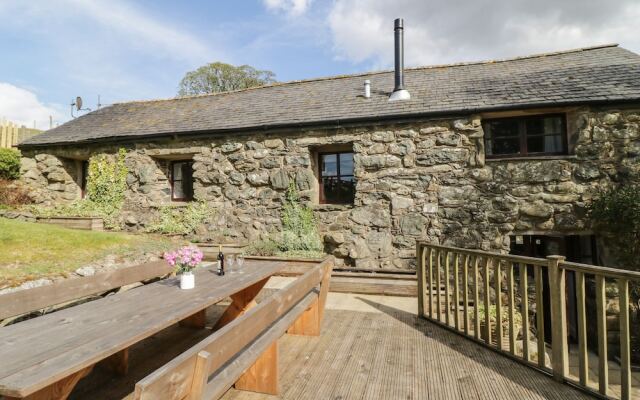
pixel 399 92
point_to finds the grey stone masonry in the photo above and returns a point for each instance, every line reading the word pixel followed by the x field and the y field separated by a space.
pixel 427 179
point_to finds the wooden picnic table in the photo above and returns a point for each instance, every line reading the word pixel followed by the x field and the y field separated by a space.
pixel 43 358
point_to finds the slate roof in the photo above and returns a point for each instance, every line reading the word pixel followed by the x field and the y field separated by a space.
pixel 589 75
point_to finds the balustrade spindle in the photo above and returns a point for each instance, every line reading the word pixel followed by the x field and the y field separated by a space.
pixel 537 272
pixel 487 303
pixel 524 302
pixel 583 359
pixel 601 315
pixel 465 294
pixel 512 309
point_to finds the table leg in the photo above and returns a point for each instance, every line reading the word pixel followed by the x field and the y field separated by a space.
pixel 197 320
pixel 241 302
pixel 118 362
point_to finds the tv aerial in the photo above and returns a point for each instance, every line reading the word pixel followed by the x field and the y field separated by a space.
pixel 78 105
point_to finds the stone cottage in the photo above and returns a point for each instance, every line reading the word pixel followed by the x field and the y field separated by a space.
pixel 499 155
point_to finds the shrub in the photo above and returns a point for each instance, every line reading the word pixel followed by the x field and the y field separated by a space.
pixel 107 180
pixel 299 236
pixel 9 164
pixel 181 220
pixel 616 215
pixel 13 194
pixel 299 230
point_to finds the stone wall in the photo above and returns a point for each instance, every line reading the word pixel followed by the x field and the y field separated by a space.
pixel 421 180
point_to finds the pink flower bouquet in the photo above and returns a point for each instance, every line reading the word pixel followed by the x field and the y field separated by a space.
pixel 184 259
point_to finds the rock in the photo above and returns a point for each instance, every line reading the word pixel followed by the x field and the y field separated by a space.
pixel 279 179
pixel 379 161
pixel 383 136
pixel 274 143
pixel 297 160
pixel 533 352
pixel 253 145
pixel 230 147
pixel 430 208
pixel 335 238
pixel 442 156
pixel 412 224
pixel 400 203
pixel 370 216
pixel 587 172
pixel 377 148
pixel 380 243
pixel 403 148
pixel 258 178
pixel 86 271
pixel 271 162
pixel 448 139
pixel 131 220
pixel 358 249
pixel 433 129
pixel 538 209
pixel 236 178
pixel 304 179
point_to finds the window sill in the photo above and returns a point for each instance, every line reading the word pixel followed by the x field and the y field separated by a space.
pixel 332 207
pixel 532 158
pixel 174 204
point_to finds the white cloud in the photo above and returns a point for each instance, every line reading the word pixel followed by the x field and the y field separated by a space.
pixel 291 7
pixel 444 31
pixel 23 107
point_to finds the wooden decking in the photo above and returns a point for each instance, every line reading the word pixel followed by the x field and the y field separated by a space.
pixel 372 347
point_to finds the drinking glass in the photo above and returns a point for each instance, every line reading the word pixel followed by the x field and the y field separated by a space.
pixel 240 260
pixel 231 259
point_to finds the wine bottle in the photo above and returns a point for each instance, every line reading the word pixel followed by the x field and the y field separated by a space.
pixel 220 261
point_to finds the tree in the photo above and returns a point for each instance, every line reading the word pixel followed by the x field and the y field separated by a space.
pixel 220 77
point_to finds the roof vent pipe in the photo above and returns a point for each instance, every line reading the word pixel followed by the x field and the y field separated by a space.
pixel 399 92
pixel 367 89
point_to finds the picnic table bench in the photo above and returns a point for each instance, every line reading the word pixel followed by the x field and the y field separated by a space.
pixel 44 358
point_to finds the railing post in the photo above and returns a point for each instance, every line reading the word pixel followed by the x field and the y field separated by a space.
pixel 559 348
pixel 420 272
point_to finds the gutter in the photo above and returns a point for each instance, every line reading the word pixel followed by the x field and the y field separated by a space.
pixel 323 124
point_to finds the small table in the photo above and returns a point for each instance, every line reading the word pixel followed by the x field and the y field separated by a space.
pixel 44 358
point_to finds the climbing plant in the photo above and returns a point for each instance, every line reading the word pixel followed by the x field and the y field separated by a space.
pixel 107 180
pixel 616 216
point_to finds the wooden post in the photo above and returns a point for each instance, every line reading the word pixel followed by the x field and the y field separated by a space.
pixel 262 377
pixel 307 324
pixel 200 375
pixel 559 347
pixel 625 343
pixel 420 270
pixel 487 302
pixel 601 316
pixel 583 358
pixel 524 303
pixel 497 277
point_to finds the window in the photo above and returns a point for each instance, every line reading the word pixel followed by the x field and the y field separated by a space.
pixel 182 180
pixel 337 184
pixel 526 136
pixel 84 171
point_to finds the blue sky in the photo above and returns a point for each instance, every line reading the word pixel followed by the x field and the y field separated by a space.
pixel 54 50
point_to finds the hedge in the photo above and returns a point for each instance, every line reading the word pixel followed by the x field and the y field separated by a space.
pixel 9 164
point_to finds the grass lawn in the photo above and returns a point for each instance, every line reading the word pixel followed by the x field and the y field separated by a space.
pixel 31 251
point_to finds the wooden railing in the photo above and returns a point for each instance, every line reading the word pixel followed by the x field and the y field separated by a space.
pixel 489 297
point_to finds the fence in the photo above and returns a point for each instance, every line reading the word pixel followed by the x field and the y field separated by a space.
pixel 12 134
pixel 475 275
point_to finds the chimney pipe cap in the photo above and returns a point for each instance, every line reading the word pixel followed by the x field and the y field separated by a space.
pixel 398 23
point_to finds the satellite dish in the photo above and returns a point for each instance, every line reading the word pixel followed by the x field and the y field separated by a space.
pixel 79 103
